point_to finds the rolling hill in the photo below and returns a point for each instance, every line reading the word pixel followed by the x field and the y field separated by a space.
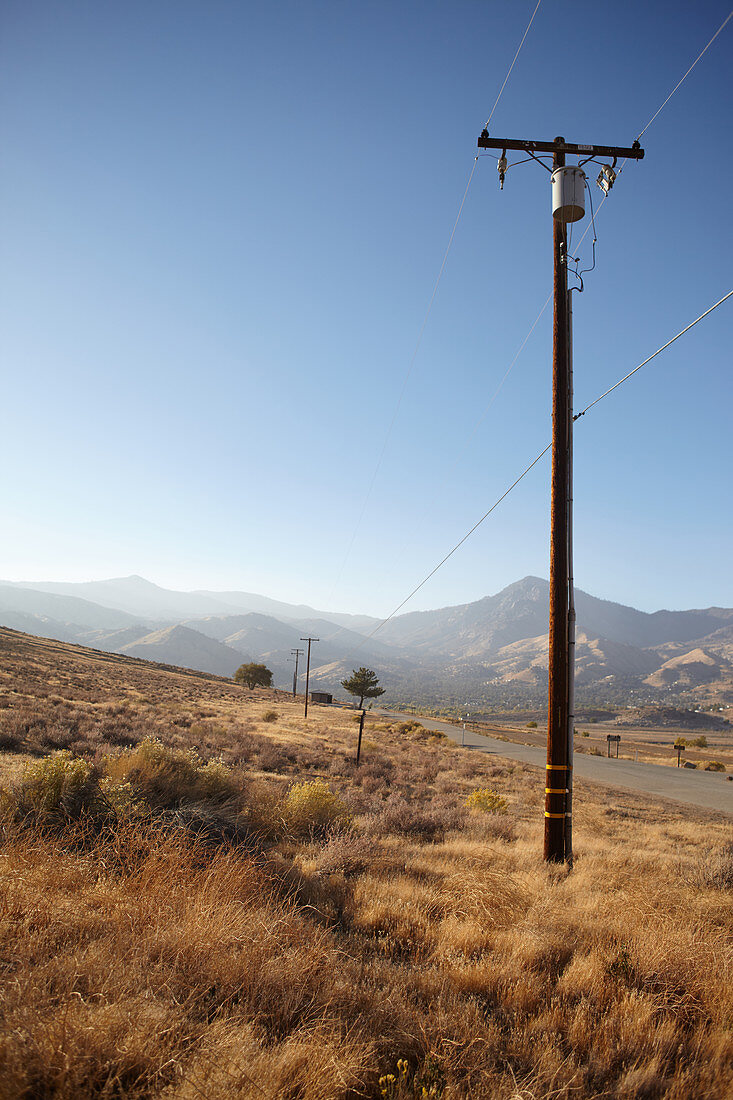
pixel 494 648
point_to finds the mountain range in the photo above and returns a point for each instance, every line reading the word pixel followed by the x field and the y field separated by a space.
pixel 492 651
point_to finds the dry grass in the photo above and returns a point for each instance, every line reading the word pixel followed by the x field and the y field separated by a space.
pixel 215 935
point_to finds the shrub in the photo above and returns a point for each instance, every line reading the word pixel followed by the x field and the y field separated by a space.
pixel 120 797
pixel 715 766
pixel 585 733
pixel 699 742
pixel 486 801
pixel 531 725
pixel 313 808
pixel 275 758
pixel 399 817
pixel 56 782
pixel 270 716
pixel 347 854
pixel 59 788
pixel 166 777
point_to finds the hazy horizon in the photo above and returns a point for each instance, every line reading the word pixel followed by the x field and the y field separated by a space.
pixel 306 602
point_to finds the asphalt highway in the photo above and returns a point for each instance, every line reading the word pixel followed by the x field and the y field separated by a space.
pixel 708 790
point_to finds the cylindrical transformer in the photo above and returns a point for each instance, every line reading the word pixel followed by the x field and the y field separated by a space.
pixel 568 194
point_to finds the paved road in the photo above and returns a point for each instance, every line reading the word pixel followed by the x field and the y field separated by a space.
pixel 709 790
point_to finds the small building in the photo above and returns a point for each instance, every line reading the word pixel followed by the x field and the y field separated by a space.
pixel 321 697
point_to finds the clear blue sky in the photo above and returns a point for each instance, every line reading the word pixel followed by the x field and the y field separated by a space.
pixel 221 226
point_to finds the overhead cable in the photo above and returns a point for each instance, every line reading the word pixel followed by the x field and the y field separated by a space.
pixel 457 545
pixel 682 333
pixel 692 66
pixel 531 465
pixel 657 112
pixel 506 78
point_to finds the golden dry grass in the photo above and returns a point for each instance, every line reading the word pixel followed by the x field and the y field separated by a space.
pixel 144 955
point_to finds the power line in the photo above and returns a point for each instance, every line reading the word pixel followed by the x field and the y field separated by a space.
pixel 626 376
pixel 528 468
pixel 658 111
pixel 425 321
pixel 456 547
pixel 514 360
pixel 506 78
pixel 692 66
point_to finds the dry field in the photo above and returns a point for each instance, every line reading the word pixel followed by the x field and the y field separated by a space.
pixel 203 897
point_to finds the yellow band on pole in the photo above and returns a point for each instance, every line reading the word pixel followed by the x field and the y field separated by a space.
pixel 558 767
pixel 556 790
pixel 554 815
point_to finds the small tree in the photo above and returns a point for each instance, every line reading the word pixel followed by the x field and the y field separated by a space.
pixel 364 683
pixel 253 675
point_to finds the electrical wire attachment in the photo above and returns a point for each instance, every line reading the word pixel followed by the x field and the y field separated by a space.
pixel 502 166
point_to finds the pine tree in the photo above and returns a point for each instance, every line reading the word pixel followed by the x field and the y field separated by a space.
pixel 364 683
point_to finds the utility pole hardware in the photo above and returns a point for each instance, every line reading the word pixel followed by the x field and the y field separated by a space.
pixel 308 670
pixel 297 654
pixel 568 205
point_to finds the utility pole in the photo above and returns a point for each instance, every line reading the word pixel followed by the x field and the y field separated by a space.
pixel 568 184
pixel 308 670
pixel 557 700
pixel 361 730
pixel 297 653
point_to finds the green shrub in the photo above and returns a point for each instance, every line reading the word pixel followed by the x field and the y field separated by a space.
pixel 313 808
pixel 270 716
pixel 585 733
pixel 699 742
pixel 531 725
pixel 486 801
pixel 715 766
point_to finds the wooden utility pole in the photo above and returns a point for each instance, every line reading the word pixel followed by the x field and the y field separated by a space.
pixel 361 730
pixel 308 670
pixel 557 700
pixel 558 782
pixel 297 654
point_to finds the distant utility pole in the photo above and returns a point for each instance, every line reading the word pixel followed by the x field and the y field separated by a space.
pixel 297 653
pixel 308 670
pixel 568 205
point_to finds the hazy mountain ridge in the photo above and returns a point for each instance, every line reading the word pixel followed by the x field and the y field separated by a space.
pixel 496 644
